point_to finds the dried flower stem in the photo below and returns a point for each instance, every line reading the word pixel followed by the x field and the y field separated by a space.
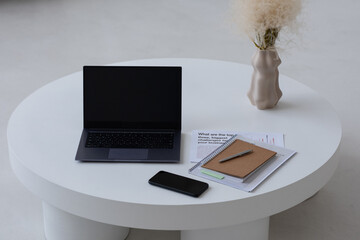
pixel 262 20
pixel 267 40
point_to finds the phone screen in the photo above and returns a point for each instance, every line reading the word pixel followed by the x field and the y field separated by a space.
pixel 179 183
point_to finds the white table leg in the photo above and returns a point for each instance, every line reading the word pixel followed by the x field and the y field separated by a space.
pixel 256 230
pixel 60 225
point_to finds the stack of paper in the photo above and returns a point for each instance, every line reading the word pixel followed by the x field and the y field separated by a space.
pixel 245 172
pixel 203 142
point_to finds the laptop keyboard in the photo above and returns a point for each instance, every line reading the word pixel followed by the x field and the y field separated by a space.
pixel 129 140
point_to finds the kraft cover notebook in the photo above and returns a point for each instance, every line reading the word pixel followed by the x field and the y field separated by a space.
pixel 241 166
pixel 254 179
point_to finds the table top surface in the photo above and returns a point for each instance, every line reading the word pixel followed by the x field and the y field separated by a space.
pixel 44 132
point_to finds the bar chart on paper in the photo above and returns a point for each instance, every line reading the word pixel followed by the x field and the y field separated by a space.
pixel 276 139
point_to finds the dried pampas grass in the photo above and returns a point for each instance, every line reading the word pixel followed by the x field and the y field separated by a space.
pixel 262 20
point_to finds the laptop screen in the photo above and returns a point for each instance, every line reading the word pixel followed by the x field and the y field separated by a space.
pixel 133 97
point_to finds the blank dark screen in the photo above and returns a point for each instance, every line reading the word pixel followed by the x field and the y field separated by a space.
pixel 132 97
pixel 179 183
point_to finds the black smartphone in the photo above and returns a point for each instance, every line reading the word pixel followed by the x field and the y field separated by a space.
pixel 179 183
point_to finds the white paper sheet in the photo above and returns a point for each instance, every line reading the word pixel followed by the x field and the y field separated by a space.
pixel 203 142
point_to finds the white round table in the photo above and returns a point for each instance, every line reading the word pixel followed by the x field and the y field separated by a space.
pixel 102 200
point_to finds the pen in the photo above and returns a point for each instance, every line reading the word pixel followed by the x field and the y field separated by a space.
pixel 235 155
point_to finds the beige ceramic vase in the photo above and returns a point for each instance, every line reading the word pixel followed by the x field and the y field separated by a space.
pixel 264 91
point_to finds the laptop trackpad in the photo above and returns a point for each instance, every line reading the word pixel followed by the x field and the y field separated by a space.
pixel 128 153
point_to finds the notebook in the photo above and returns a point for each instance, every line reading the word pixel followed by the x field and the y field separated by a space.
pixel 252 180
pixel 242 166
pixel 131 114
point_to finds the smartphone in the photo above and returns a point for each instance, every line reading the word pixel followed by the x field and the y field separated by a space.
pixel 179 183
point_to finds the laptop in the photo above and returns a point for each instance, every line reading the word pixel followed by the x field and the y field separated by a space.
pixel 131 114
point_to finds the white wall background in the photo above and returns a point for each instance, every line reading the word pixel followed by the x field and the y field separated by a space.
pixel 42 40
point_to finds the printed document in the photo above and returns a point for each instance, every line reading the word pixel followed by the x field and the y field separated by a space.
pixel 205 142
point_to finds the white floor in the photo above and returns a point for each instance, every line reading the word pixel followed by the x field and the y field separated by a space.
pixel 42 40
